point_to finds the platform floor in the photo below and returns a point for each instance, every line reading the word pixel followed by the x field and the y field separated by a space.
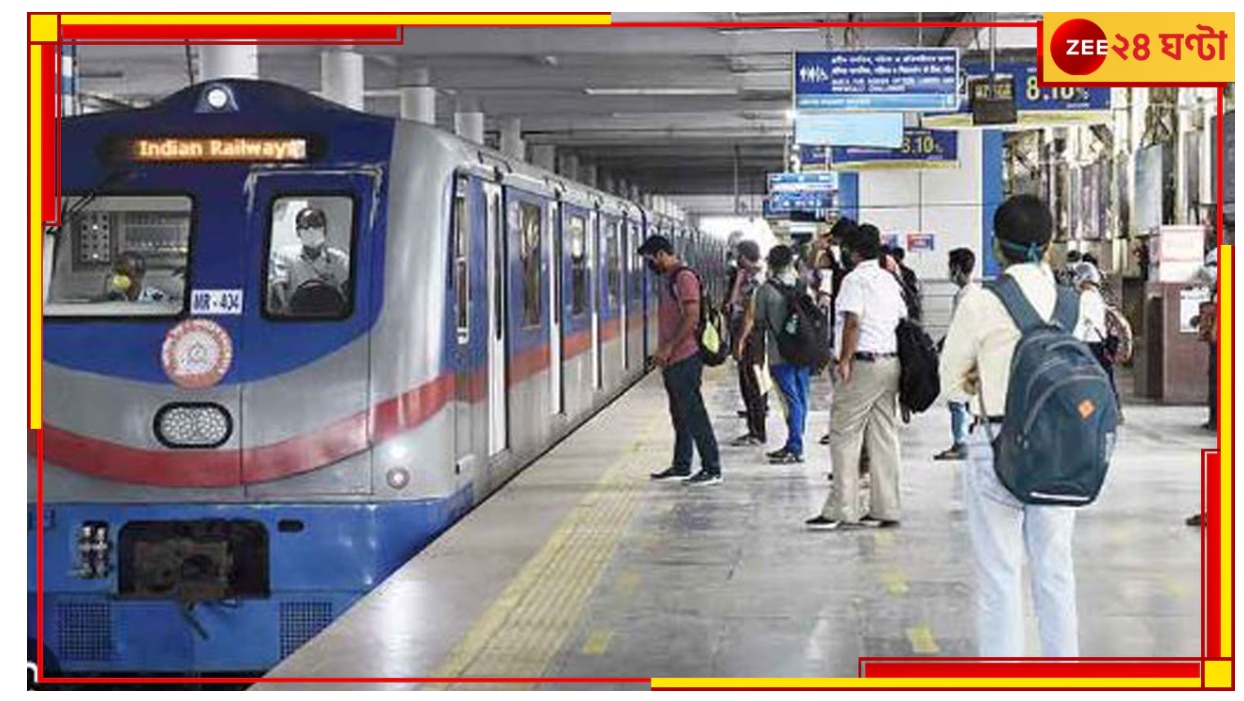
pixel 582 567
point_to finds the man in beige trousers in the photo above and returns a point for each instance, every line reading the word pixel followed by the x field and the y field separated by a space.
pixel 869 307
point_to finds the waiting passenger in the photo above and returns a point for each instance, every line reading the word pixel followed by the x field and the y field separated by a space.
pixel 962 262
pixel 976 362
pixel 1093 328
pixel 771 310
pixel 310 264
pixel 911 284
pixel 749 350
pixel 125 283
pixel 678 356
pixel 865 404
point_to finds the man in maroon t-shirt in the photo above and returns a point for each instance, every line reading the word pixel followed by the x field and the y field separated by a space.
pixel 678 356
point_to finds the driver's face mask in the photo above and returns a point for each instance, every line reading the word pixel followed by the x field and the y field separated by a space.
pixel 312 238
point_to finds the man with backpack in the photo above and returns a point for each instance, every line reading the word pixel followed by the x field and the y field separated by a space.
pixel 682 367
pixel 749 349
pixel 786 315
pixel 1045 427
pixel 865 404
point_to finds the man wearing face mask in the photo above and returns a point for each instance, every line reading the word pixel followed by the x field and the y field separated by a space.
pixel 962 263
pixel 312 261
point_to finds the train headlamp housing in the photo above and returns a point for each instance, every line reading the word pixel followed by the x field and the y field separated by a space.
pixel 193 425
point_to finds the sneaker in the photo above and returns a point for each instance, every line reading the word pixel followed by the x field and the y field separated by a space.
pixel 1194 521
pixel 785 458
pixel 824 439
pixel 742 413
pixel 776 453
pixel 747 440
pixel 820 523
pixel 703 479
pixel 954 452
pixel 671 473
pixel 1209 426
pixel 870 522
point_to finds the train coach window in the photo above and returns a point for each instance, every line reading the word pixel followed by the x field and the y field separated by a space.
pixel 578 265
pixel 462 257
pixel 120 256
pixel 613 265
pixel 530 223
pixel 309 257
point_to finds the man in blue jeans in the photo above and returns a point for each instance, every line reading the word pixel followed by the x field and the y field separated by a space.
pixel 769 313
pixel 962 263
pixel 975 367
pixel 678 356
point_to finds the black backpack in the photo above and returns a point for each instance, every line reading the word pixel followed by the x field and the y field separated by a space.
pixel 803 339
pixel 1061 415
pixel 919 381
pixel 712 332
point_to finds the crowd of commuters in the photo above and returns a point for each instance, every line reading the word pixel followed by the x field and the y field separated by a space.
pixel 864 290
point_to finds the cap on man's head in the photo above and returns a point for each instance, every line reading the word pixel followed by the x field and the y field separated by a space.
pixel 656 244
pixel 311 218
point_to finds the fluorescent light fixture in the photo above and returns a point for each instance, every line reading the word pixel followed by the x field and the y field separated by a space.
pixel 661 91
pixel 775 30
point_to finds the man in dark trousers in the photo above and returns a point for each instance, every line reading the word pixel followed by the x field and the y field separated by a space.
pixel 678 356
pixel 748 351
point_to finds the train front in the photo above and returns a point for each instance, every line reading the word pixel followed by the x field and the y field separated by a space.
pixel 208 298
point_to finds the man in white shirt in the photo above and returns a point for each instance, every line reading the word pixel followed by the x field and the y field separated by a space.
pixel 975 365
pixel 869 307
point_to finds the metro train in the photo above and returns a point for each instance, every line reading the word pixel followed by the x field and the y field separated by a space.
pixel 286 345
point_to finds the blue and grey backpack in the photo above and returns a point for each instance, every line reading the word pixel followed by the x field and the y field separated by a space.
pixel 1061 416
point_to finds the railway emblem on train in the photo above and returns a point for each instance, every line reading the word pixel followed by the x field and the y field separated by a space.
pixel 197 353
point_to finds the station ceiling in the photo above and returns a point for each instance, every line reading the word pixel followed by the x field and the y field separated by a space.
pixel 671 109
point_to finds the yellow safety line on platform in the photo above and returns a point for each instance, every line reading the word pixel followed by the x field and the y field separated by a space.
pixel 597 642
pixel 525 628
pixel 922 640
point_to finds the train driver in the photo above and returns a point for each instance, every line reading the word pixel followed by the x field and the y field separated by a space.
pixel 312 262
pixel 125 282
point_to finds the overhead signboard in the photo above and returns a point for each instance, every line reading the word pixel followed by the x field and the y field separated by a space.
pixel 779 204
pixel 922 148
pixel 900 79
pixel 1034 104
pixel 884 130
pixel 803 182
pixel 813 157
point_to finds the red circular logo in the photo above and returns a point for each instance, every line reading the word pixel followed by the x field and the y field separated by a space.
pixel 1078 47
pixel 197 353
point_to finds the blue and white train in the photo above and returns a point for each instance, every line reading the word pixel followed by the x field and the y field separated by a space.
pixel 233 453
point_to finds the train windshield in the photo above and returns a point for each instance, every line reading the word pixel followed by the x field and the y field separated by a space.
pixel 121 256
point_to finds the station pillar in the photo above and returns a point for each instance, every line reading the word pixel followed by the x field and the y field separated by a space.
pixel 228 61
pixel 418 99
pixel 544 156
pixel 512 137
pixel 341 77
pixel 470 126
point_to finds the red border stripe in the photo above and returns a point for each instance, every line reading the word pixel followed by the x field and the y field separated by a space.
pixel 47 134
pixel 879 669
pixel 1213 555
pixel 208 32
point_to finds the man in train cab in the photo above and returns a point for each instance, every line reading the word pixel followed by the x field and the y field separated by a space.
pixel 865 402
pixel 678 356
pixel 975 368
pixel 125 282
pixel 299 269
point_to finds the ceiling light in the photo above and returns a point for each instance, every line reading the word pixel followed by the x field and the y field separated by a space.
pixel 776 30
pixel 661 91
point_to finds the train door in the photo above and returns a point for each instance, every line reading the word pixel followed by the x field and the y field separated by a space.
pixel 593 257
pixel 557 390
pixel 498 277
pixel 305 401
pixel 470 340
pixel 626 244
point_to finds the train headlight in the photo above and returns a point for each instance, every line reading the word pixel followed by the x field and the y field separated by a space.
pixel 193 425
pixel 217 97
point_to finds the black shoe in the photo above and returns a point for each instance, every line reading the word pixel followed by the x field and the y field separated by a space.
pixel 671 473
pixel 742 413
pixel 954 452
pixel 1195 521
pixel 870 522
pixel 824 439
pixel 1210 426
pixel 785 457
pixel 820 523
pixel 776 453
pixel 747 440
pixel 703 479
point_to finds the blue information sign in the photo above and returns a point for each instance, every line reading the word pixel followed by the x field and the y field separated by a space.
pixel 1020 79
pixel 803 182
pixel 920 147
pixel 884 130
pixel 915 79
pixel 811 202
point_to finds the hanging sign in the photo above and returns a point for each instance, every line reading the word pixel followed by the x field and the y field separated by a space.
pixel 899 79
pixel 922 148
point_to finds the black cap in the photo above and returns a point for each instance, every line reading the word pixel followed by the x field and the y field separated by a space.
pixel 655 244
pixel 311 218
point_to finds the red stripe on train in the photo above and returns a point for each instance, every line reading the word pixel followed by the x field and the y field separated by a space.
pixel 302 453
